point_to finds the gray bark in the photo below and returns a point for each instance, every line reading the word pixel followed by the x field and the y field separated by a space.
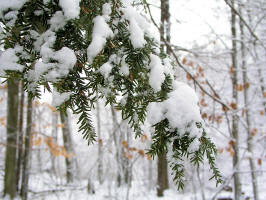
pixel 248 114
pixel 162 176
pixel 117 142
pixel 27 152
pixel 162 180
pixel 10 181
pixel 122 162
pixel 20 134
pixel 100 154
pixel 235 120
pixel 54 136
pixel 70 164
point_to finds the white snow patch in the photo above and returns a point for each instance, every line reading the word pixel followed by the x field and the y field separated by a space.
pixel 59 98
pixel 58 21
pixel 124 67
pixel 181 107
pixel 65 61
pixel 70 8
pixel 127 2
pixel 106 69
pixel 106 9
pixel 9 60
pixel 157 76
pixel 194 146
pixel 136 34
pixel 155 112
pixel 14 5
pixel 101 31
pixel 138 25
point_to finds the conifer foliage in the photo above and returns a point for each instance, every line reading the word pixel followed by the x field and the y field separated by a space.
pixel 91 49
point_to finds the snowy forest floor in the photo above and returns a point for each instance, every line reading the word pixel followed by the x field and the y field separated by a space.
pixel 47 187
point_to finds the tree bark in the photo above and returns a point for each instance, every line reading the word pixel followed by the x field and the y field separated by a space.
pixel 27 152
pixel 10 181
pixel 20 134
pixel 54 136
pixel 162 181
pixel 162 177
pixel 248 115
pixel 70 164
pixel 123 173
pixel 235 120
pixel 100 154
pixel 117 142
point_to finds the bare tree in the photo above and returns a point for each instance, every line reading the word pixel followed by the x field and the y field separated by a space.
pixel 70 164
pixel 121 141
pixel 27 152
pixel 10 180
pixel 100 153
pixel 162 179
pixel 54 134
pixel 247 107
pixel 20 134
pixel 235 119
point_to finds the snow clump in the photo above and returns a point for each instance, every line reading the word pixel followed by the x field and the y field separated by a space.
pixel 9 60
pixel 59 98
pixel 70 8
pixel 101 31
pixel 180 108
pixel 157 76
pixel 138 26
pixel 13 6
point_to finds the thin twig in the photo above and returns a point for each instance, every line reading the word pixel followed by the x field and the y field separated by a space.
pixel 182 66
pixel 245 23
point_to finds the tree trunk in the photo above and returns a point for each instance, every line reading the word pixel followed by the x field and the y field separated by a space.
pixel 54 136
pixel 10 180
pixel 70 164
pixel 27 152
pixel 100 154
pixel 20 134
pixel 117 142
pixel 150 174
pixel 246 103
pixel 122 160
pixel 256 57
pixel 235 120
pixel 162 179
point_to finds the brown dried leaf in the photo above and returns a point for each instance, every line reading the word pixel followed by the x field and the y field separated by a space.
pixel 188 77
pixel 124 144
pixel 233 105
pixel 204 115
pixel 259 161
pixel 184 61
pixel 224 108
pixel 254 131
pixel 246 85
